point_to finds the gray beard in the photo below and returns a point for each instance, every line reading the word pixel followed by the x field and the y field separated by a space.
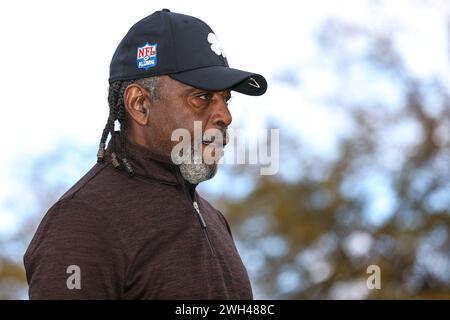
pixel 195 173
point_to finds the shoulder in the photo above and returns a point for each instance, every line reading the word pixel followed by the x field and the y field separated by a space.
pixel 69 223
pixel 74 233
pixel 93 183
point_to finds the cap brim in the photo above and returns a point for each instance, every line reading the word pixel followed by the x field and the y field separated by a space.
pixel 219 78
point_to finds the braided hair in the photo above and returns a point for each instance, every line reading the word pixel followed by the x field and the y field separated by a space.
pixel 117 111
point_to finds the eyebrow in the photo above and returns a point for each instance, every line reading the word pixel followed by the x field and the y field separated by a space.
pixel 190 90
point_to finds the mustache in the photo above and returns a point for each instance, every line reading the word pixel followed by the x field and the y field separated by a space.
pixel 213 134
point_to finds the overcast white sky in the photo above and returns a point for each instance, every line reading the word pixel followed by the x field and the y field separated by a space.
pixel 55 55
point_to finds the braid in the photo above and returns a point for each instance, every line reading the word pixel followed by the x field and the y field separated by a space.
pixel 109 127
pixel 121 116
pixel 116 112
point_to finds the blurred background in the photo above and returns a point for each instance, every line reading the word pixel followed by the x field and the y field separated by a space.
pixel 359 91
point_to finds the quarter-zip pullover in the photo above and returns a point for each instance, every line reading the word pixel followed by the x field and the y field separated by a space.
pixel 151 236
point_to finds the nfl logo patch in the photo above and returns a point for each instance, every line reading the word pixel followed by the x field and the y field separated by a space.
pixel 146 56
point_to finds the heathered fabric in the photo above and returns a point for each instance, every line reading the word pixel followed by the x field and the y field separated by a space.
pixel 135 238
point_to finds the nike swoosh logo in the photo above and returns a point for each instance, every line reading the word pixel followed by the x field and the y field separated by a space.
pixel 253 83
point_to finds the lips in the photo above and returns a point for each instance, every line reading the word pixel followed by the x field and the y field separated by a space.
pixel 214 143
pixel 211 141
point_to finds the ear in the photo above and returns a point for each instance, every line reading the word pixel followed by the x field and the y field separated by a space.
pixel 137 103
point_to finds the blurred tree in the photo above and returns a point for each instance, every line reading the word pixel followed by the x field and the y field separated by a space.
pixel 385 200
pixel 42 181
pixel 12 279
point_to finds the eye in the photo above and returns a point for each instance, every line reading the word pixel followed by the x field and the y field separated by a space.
pixel 205 96
pixel 200 99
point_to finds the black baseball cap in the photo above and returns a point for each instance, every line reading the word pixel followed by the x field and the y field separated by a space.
pixel 183 47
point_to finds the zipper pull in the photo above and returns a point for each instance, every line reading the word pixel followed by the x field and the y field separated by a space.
pixel 195 204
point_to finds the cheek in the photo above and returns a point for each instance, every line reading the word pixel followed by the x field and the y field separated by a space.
pixel 184 118
pixel 178 114
pixel 168 119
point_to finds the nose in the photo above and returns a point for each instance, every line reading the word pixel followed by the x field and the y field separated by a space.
pixel 221 116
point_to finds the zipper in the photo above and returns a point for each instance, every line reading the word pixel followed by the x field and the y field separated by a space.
pixel 197 211
pixel 203 223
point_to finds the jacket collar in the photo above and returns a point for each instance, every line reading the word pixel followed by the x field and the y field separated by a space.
pixel 148 164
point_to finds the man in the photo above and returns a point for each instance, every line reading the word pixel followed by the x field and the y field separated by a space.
pixel 134 227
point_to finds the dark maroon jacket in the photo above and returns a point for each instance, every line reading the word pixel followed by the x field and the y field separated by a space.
pixel 135 238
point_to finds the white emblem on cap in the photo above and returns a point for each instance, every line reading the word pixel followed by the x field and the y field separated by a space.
pixel 216 46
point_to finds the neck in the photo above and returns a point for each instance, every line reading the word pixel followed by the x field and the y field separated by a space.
pixel 153 144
